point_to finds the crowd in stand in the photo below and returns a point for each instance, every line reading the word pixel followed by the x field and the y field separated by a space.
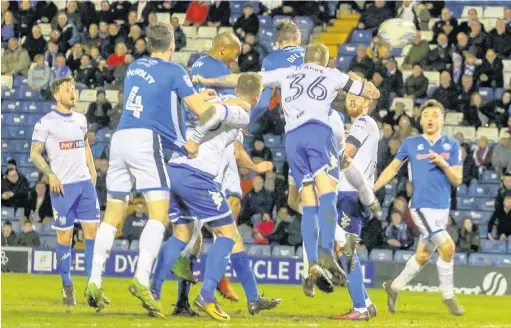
pixel 96 46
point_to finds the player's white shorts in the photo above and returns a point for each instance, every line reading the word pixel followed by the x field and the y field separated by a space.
pixel 430 221
pixel 136 158
pixel 231 184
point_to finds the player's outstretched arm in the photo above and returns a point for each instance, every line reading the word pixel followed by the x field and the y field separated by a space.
pixel 388 174
pixel 370 91
pixel 225 81
pixel 243 159
pixel 38 160
pixel 90 162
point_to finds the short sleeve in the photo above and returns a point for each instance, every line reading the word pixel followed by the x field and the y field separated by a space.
pixel 455 154
pixel 182 83
pixel 402 153
pixel 272 78
pixel 40 133
pixel 358 133
pixel 239 137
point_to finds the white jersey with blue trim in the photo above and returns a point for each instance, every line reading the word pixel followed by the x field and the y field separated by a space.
pixel 365 135
pixel 63 136
pixel 307 91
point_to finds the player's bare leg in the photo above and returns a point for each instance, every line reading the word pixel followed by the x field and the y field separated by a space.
pixel 446 274
pixel 64 238
pixel 115 208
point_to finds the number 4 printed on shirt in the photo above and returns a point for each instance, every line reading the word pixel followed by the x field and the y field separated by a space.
pixel 134 102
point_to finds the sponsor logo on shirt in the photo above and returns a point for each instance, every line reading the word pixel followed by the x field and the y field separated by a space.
pixel 426 156
pixel 68 145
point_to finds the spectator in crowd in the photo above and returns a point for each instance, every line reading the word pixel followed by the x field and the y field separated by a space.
pixel 45 11
pixel 85 75
pixel 134 224
pixel 262 229
pixel 110 44
pixel 416 85
pixel 28 237
pixel 120 72
pixel 260 151
pixel 196 13
pixel 248 60
pixel 106 13
pixel 372 234
pixel 101 169
pixel 35 43
pixel 179 35
pixel 447 25
pixel 134 35
pixel 465 94
pixel 74 16
pixel 11 164
pixel 68 33
pixel 280 233
pixel 255 203
pixel 453 230
pixel 394 78
pixel 446 93
pixel 10 28
pixel 50 56
pixel 477 114
pixel 470 239
pixel 152 19
pixel 461 45
pixel 439 58
pixel 362 62
pixel 14 190
pixel 92 39
pixel 25 17
pixel 397 233
pixel 499 39
pixel 373 16
pixel 74 57
pixel 103 74
pixel 418 51
pixel 404 128
pixel 15 59
pixel 218 14
pixel 8 236
pixel 384 88
pixel 395 114
pixel 248 23
pixel 503 218
pixel 294 232
pixel 507 18
pixel 97 112
pixel 39 74
pixel 120 10
pixel 501 157
pixel 140 50
pixel 117 58
pixel 383 145
pixel 502 109
pixel 60 69
pixel 457 69
pixel 95 57
pixel 478 39
pixel 39 207
pixel 103 31
pixel 469 165
pixel 391 152
pixel 482 154
pixel 503 191
pixel 115 112
pixel 409 11
pixel 491 72
pixel 132 20
pixel 467 26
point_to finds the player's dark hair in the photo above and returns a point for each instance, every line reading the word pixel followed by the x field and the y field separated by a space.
pixel 287 31
pixel 250 84
pixel 316 53
pixel 432 103
pixel 55 86
pixel 159 37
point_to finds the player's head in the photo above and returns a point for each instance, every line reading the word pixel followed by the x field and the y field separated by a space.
pixel 160 40
pixel 249 87
pixel 226 47
pixel 432 116
pixel 63 90
pixel 317 54
pixel 288 34
pixel 357 106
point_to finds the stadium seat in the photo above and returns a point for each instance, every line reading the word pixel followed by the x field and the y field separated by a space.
pixel 299 252
pixel 31 119
pixel 480 259
pixel 477 190
pixel 8 213
pixel 493 12
pixel 180 16
pixel 45 29
pixel 402 256
pixel 460 258
pixel 343 62
pixel 49 242
pixel 507 77
pixel 453 118
pixel 396 52
pixel 265 22
pixel 28 94
pixel 8 94
pixel 10 106
pixel 507 67
pixel 271 140
pixel 225 29
pixel 408 102
pixel 434 257
pixel 464 13
pixel 362 254
pixel 32 176
pixel 206 44
pixel 233 18
pixel 489 23
pixel 381 255
pixel 163 17
pixel 348 49
pixel 485 204
pixel 491 133
pixel 134 245
pixel 112 95
pixel 193 45
pixel 38 226
pixel 502 260
pixel 486 93
pixel 103 135
pixel 279 154
pixel 493 190
pixel 433 77
pixel 278 18
pixel 493 246
pixel 88 95
pixel 462 190
pixel 497 94
pixel 304 22
pixel 207 32
pixel 390 188
pixel 490 177
pixel 236 6
pixel 259 250
pixel 189 31
pixel 82 107
pixel 266 34
pixel 483 231
pixel 466 203
pixel 362 36
pixel 283 251
pixel 427 35
pixel 121 245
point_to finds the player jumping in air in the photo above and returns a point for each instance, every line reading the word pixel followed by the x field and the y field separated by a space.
pixel 72 178
pixel 435 161
pixel 307 93
pixel 152 120
pixel 196 196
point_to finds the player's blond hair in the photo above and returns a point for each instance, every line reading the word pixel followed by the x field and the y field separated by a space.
pixel 432 103
pixel 287 31
pixel 159 37
pixel 55 86
pixel 250 84
pixel 317 53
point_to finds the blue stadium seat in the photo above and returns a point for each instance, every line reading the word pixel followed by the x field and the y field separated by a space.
pixel 265 22
pixel 456 9
pixel 28 94
pixel 388 200
pixel 8 213
pixel 279 166
pixel 38 226
pixel 31 119
pixel 462 190
pixel 278 18
pixel 23 159
pixel 103 135
pixel 279 154
pixel 490 177
pixel 483 230
pixel 134 245
pixel 362 254
pixel 32 175
pixel 259 250
pixel 236 7
pixel 493 190
pixel 46 106
pixel 9 94
pixel 477 190
pixel 304 22
pixel 493 246
pixel 391 188
pixel 23 132
pixel 487 94
pixel 460 258
pixel 497 95
pixel 283 251
pixel 234 17
pixel 466 203
pixel 503 260
pixel 10 106
pixel 30 107
pixel 305 36
pixel 343 62
pixel 271 140
pixel 19 81
pixel 362 36
pixel 299 252
pixel 485 204
pixel 49 242
pixel 266 34
pixel 348 49
pixel 121 245
pixel 480 259
pixel 381 255
pixel 402 256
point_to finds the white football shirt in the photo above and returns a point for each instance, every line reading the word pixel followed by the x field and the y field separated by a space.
pixel 63 136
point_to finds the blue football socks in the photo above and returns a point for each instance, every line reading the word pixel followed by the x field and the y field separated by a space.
pixel 64 264
pixel 310 230
pixel 241 265
pixel 216 263
pixel 169 254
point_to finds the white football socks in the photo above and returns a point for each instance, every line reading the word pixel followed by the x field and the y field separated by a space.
pixel 446 277
pixel 150 243
pixel 356 179
pixel 305 262
pixel 102 247
pixel 411 270
pixel 340 235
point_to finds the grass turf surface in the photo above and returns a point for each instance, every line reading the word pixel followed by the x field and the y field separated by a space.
pixel 35 301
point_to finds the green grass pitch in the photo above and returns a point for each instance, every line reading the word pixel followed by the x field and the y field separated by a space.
pixel 35 301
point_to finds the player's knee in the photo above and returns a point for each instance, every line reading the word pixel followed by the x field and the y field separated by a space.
pixel 325 184
pixel 159 210
pixel 422 256
pixel 308 195
pixel 64 237
pixel 447 250
pixel 183 232
pixel 228 231
pixel 90 230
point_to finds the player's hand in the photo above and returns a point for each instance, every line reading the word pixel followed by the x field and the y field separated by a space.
pixel 354 76
pixel 198 79
pixel 245 132
pixel 208 94
pixel 55 184
pixel 192 148
pixel 263 167
pixel 490 237
pixel 437 160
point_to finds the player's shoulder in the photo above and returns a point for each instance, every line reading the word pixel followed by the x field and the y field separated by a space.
pixel 80 117
pixel 445 139
pixel 366 123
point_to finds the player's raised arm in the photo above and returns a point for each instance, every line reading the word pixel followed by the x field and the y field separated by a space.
pixel 392 170
pixel 270 79
pixel 244 160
